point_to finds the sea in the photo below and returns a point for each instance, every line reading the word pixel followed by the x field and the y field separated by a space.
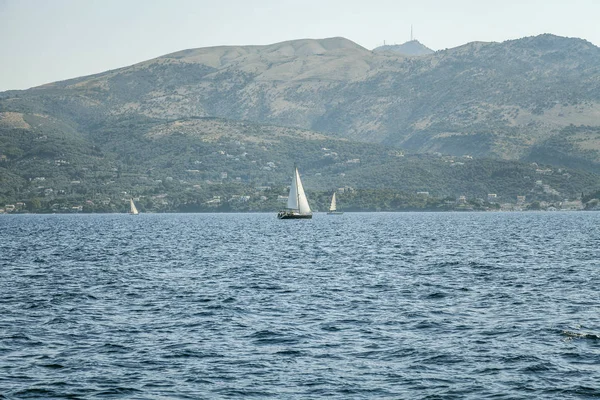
pixel 353 306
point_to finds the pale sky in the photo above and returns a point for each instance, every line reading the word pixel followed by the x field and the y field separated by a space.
pixel 43 41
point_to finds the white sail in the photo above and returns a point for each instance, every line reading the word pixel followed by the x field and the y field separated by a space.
pixel 303 206
pixel 292 203
pixel 297 199
pixel 332 206
pixel 133 210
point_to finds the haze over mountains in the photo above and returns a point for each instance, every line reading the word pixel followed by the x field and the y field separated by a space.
pixel 531 99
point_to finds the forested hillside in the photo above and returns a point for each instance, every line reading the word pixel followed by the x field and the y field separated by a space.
pixel 481 118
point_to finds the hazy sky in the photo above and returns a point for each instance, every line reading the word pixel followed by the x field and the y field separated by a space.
pixel 43 41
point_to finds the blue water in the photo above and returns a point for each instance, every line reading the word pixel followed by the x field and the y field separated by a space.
pixel 357 306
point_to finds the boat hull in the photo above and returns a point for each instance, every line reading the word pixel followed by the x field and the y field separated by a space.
pixel 292 215
pixel 335 213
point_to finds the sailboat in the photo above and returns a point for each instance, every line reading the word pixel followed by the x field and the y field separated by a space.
pixel 297 204
pixel 333 208
pixel 132 209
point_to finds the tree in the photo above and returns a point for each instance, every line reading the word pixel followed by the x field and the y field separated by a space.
pixel 34 204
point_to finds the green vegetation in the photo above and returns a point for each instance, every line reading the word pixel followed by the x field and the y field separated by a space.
pixel 574 147
pixel 186 133
pixel 184 166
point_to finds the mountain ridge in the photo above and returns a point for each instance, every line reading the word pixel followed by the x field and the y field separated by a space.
pixel 289 48
pixel 410 48
pixel 484 99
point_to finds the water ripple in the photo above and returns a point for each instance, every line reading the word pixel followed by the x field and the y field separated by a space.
pixel 362 306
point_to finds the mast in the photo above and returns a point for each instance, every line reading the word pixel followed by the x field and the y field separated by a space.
pixel 292 203
pixel 297 191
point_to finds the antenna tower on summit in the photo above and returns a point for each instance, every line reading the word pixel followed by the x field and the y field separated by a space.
pixel 411 33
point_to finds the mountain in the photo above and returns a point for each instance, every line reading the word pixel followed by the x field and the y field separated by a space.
pixel 411 48
pixel 481 99
pixel 532 100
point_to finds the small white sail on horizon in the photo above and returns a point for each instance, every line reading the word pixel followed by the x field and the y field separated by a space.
pixel 132 209
pixel 332 207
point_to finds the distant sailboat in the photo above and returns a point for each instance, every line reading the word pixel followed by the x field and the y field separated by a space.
pixel 333 208
pixel 132 209
pixel 297 205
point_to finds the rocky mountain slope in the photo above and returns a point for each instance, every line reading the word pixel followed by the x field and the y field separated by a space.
pixel 499 100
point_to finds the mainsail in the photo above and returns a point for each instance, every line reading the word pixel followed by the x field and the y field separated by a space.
pixel 332 206
pixel 292 203
pixel 297 199
pixel 133 210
